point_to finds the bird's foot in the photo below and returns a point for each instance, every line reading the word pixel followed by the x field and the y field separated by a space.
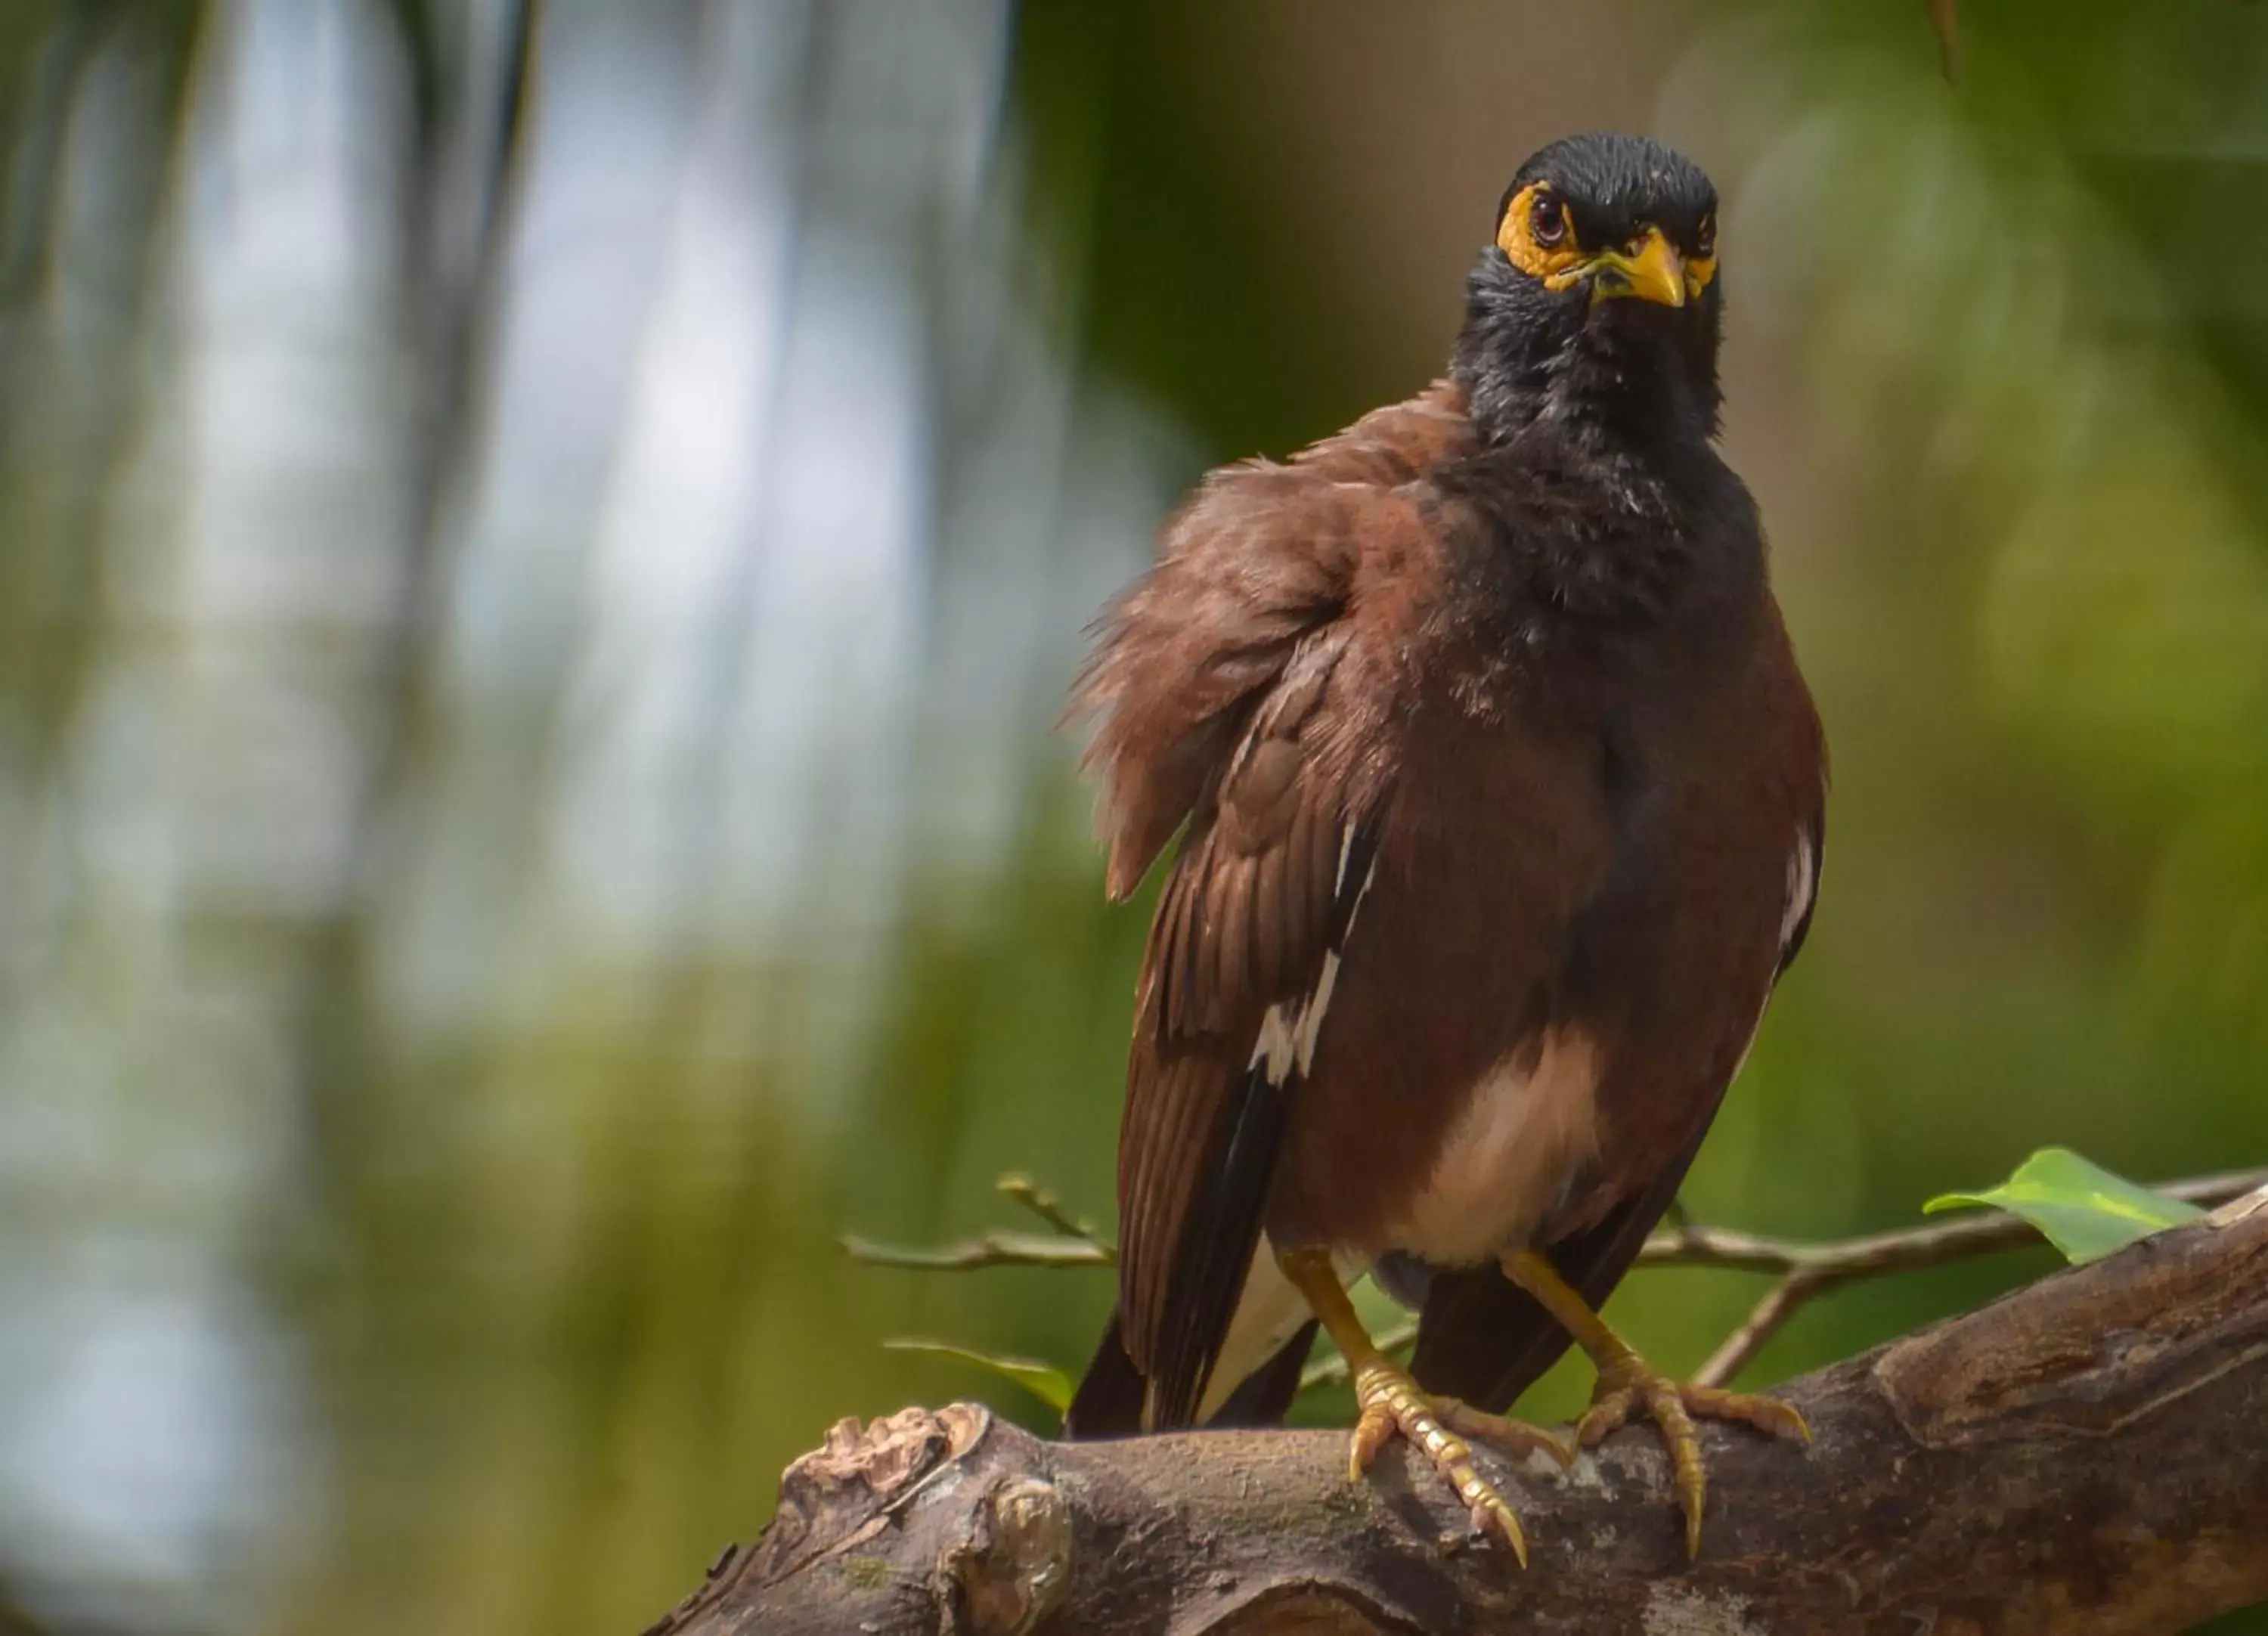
pixel 1392 1405
pixel 1627 1386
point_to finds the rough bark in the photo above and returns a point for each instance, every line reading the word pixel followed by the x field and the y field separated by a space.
pixel 2086 1456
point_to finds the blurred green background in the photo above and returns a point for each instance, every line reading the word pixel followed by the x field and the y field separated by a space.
pixel 539 550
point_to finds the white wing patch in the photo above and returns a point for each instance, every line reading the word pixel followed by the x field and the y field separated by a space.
pixel 1288 1031
pixel 1802 886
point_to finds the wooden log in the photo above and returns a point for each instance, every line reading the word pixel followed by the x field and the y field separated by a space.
pixel 2086 1456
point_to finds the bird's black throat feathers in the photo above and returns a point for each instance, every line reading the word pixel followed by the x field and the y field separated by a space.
pixel 1531 358
pixel 1593 472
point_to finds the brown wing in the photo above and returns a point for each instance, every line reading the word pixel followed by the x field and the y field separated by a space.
pixel 1237 697
pixel 1249 930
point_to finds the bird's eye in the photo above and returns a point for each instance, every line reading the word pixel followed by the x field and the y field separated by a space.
pixel 1704 236
pixel 1547 221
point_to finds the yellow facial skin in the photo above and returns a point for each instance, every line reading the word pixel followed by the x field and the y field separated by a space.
pixel 1538 234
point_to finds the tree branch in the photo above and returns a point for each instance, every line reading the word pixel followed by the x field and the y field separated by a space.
pixel 1809 1271
pixel 1806 1270
pixel 2084 1457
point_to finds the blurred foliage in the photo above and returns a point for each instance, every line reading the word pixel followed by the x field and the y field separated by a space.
pixel 528 627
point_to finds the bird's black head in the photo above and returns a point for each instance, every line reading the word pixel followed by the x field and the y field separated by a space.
pixel 1598 303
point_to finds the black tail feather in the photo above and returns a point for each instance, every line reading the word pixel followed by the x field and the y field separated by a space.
pixel 1108 1403
pixel 1265 1396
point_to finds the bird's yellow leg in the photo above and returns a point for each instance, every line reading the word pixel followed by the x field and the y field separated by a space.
pixel 1391 1404
pixel 1628 1383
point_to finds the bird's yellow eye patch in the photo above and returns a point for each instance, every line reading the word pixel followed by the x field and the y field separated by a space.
pixel 1538 236
pixel 1701 266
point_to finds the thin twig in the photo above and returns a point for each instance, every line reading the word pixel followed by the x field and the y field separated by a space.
pixel 1043 1204
pixel 1807 1271
pixel 988 1249
pixel 1804 1270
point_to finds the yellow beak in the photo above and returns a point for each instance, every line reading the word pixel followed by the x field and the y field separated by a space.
pixel 1655 273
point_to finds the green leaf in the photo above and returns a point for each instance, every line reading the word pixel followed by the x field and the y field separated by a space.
pixel 1044 1381
pixel 2084 1210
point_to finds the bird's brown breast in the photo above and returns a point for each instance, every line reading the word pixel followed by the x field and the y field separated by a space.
pixel 1573 929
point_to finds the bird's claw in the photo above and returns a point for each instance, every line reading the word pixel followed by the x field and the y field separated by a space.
pixel 1629 1385
pixel 1392 1405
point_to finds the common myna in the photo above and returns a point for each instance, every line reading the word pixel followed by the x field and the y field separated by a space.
pixel 1500 800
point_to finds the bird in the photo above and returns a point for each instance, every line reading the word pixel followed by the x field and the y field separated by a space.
pixel 1500 799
